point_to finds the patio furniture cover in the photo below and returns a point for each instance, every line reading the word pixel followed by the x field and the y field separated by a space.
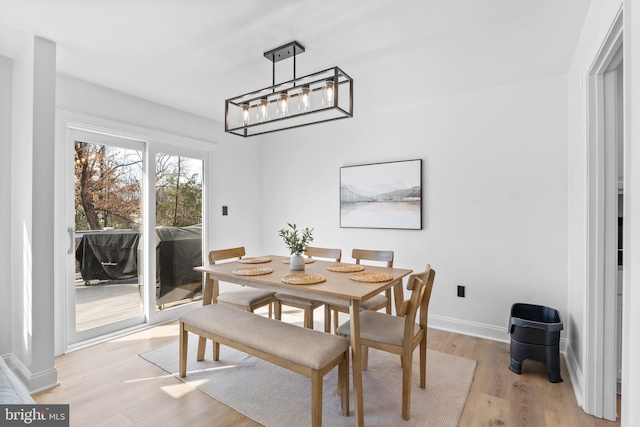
pixel 113 255
pixel 108 255
pixel 178 251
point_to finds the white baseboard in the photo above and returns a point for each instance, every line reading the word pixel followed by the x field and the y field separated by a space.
pixel 480 330
pixel 576 374
pixel 37 382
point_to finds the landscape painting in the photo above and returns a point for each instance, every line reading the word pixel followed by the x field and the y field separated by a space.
pixel 382 195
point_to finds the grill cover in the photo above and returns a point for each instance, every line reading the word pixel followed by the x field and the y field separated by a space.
pixel 113 255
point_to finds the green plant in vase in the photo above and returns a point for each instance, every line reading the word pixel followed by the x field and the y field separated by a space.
pixel 296 240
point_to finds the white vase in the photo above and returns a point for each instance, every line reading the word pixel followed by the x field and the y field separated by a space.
pixel 297 262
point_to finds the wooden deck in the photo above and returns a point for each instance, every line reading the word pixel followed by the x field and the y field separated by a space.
pixel 107 301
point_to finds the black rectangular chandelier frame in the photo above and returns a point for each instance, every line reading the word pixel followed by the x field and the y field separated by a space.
pixel 319 97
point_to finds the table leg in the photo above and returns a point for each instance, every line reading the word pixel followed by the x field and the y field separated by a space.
pixel 211 291
pixel 356 357
pixel 398 295
pixel 209 296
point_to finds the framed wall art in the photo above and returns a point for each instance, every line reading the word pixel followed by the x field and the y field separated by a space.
pixel 382 195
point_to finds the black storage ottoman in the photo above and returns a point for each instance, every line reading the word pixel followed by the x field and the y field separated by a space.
pixel 535 335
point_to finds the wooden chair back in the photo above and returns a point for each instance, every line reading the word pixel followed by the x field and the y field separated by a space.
pixel 424 304
pixel 211 286
pixel 415 284
pixel 381 256
pixel 329 253
pixel 410 307
pixel 224 254
pixel 369 255
pixel 306 304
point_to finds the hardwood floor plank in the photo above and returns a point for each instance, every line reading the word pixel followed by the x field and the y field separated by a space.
pixel 116 420
pixel 489 411
pixel 497 383
pixel 525 409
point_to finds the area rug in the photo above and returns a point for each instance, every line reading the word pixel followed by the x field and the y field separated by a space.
pixel 273 396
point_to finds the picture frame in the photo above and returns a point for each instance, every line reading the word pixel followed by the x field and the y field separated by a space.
pixel 382 195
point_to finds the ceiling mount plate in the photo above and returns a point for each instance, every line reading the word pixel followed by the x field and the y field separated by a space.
pixel 284 52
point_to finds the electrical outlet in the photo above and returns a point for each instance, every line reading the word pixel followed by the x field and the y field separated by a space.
pixel 461 291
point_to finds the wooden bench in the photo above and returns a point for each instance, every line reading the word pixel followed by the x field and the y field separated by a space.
pixel 305 351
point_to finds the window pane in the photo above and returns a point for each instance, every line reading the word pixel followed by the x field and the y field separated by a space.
pixel 178 229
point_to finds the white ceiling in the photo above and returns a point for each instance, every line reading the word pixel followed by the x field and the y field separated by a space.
pixel 193 54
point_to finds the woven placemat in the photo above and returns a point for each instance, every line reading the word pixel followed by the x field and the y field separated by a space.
pixel 252 271
pixel 371 277
pixel 255 260
pixel 306 260
pixel 345 268
pixel 303 279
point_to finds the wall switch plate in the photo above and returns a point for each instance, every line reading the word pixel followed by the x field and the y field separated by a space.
pixel 225 210
pixel 461 291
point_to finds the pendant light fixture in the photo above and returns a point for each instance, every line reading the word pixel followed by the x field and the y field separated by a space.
pixel 319 97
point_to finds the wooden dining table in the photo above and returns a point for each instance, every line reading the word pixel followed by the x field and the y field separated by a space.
pixel 337 289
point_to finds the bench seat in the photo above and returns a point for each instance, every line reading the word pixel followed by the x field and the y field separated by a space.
pixel 305 351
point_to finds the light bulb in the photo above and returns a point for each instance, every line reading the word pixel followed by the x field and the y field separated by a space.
pixel 245 114
pixel 305 99
pixel 327 92
pixel 263 110
pixel 282 104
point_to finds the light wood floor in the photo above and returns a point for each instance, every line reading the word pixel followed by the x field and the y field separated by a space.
pixel 109 384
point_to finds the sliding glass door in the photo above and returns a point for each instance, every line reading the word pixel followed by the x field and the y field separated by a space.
pixel 107 286
pixel 136 232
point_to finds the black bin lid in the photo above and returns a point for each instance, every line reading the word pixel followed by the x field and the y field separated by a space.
pixel 535 316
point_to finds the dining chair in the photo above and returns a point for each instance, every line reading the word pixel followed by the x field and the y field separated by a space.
pixel 401 334
pixel 375 303
pixel 307 305
pixel 243 298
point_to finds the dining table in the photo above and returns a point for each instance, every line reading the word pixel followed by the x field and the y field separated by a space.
pixel 339 287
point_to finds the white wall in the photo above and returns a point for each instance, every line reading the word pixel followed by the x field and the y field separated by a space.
pixel 494 188
pixel 600 18
pixel 5 194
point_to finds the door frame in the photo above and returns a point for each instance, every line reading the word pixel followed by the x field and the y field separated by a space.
pixel 154 141
pixel 600 378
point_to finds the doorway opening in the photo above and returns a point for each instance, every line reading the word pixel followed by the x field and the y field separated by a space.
pixel 605 199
